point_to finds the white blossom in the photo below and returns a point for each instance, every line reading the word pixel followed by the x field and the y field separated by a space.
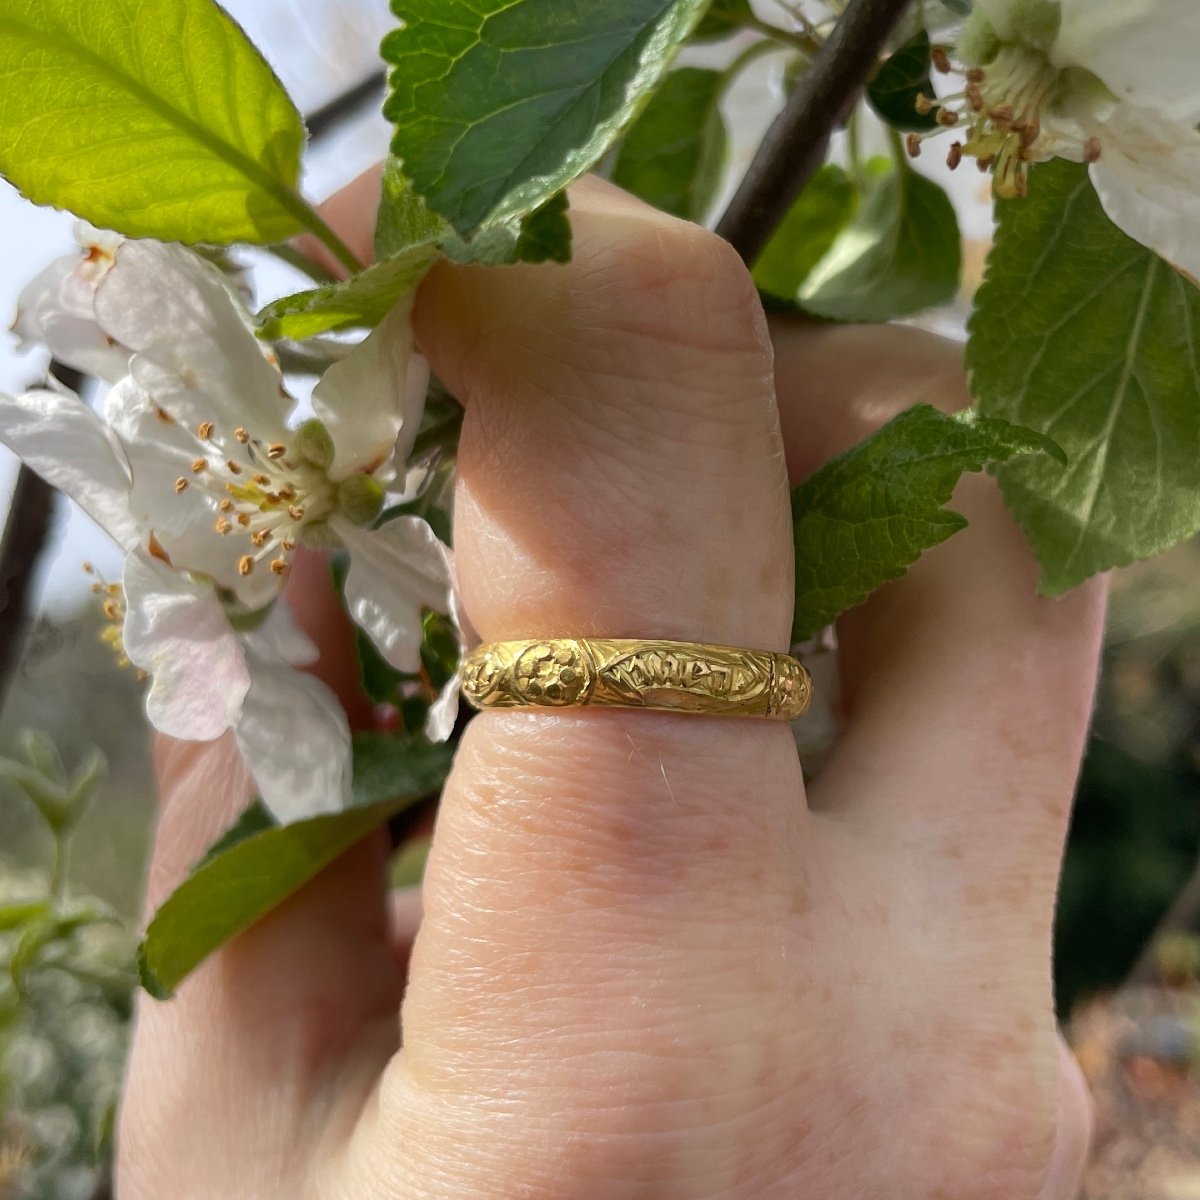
pixel 1109 82
pixel 56 309
pixel 198 475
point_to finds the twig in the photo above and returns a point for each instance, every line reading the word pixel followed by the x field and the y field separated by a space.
pixel 25 535
pixel 25 532
pixel 794 147
pixel 320 120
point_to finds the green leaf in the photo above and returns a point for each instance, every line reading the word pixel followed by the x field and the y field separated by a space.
pixel 723 19
pixel 258 863
pixel 903 78
pixel 900 254
pixel 156 118
pixel 405 222
pixel 404 219
pixel 359 302
pixel 674 154
pixel 806 234
pixel 1082 333
pixel 867 515
pixel 498 104
pixel 545 234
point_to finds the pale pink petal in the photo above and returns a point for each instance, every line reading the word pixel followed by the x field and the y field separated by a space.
pixel 279 637
pixel 443 712
pixel 176 630
pixel 295 740
pixel 196 353
pixel 372 400
pixel 1148 179
pixel 55 434
pixel 1144 51
pixel 396 572
pixel 55 310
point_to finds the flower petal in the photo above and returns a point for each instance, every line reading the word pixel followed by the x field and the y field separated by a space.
pixel 295 740
pixel 281 638
pixel 196 353
pixel 159 451
pixel 443 712
pixel 56 309
pixel 53 312
pixel 66 443
pixel 176 630
pixel 1145 51
pixel 1148 178
pixel 396 571
pixel 372 400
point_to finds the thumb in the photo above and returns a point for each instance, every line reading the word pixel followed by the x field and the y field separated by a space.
pixel 621 474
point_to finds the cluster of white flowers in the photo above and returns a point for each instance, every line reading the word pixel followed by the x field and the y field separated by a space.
pixel 1112 83
pixel 198 473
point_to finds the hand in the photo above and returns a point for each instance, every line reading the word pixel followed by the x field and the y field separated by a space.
pixel 649 965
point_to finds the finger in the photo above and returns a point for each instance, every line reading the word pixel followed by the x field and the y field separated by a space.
pixel 621 473
pixel 350 212
pixel 967 702
pixel 309 992
pixel 969 694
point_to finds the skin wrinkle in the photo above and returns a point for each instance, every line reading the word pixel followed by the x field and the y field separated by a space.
pixel 618 994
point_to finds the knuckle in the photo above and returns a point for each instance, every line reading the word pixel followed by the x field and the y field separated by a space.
pixel 678 284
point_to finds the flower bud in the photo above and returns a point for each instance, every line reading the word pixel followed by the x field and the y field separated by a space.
pixel 359 499
pixel 314 444
pixel 1036 22
pixel 978 43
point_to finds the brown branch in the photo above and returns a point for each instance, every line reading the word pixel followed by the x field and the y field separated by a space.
pixel 795 145
pixel 348 104
pixel 26 532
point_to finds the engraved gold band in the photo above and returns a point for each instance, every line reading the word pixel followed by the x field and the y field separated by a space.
pixel 631 673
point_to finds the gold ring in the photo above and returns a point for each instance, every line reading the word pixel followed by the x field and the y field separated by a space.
pixel 631 673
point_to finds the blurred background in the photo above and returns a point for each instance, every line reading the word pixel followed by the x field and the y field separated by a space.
pixel 1132 863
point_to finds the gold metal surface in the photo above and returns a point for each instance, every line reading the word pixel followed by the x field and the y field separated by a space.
pixel 632 673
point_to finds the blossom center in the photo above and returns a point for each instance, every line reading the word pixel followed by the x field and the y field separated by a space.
pixel 263 492
pixel 1010 113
